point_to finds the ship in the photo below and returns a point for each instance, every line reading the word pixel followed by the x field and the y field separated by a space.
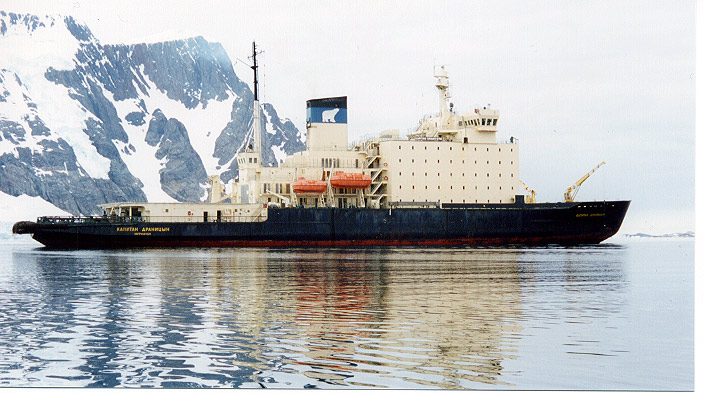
pixel 446 182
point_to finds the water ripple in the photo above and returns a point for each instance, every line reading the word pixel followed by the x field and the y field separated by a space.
pixel 363 318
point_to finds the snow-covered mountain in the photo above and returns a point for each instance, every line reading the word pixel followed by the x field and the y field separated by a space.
pixel 82 123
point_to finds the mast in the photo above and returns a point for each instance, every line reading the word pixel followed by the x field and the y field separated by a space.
pixel 442 84
pixel 257 119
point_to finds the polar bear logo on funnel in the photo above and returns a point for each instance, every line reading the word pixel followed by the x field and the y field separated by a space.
pixel 329 115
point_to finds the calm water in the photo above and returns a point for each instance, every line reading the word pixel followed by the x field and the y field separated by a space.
pixel 614 316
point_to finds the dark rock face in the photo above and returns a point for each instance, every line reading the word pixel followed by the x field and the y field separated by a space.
pixel 52 174
pixel 104 78
pixel 184 171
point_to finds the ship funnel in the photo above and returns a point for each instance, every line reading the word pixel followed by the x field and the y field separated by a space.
pixel 326 123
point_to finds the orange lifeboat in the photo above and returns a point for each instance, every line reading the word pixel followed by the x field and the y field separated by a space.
pixel 308 186
pixel 350 180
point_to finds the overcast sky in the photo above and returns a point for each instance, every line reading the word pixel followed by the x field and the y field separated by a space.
pixel 577 82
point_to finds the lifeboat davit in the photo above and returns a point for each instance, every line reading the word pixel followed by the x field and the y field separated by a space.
pixel 309 186
pixel 346 180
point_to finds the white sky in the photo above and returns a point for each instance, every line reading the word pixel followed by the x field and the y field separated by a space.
pixel 577 82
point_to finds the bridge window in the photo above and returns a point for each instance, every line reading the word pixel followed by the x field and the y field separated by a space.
pixel 495 120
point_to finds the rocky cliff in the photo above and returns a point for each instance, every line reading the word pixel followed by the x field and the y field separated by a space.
pixel 82 123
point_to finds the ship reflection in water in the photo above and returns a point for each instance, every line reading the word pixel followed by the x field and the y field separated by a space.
pixel 364 318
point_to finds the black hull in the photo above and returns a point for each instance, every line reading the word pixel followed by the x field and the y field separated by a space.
pixel 488 224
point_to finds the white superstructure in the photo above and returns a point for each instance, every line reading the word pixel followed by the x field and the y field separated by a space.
pixel 450 158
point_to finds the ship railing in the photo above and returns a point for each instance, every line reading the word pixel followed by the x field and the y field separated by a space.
pixel 145 219
pixel 415 204
pixel 510 141
pixel 367 139
pixel 75 219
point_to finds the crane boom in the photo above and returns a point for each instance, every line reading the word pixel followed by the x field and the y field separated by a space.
pixel 531 197
pixel 571 192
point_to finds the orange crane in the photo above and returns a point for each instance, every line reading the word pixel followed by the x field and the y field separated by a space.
pixel 571 192
pixel 529 198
